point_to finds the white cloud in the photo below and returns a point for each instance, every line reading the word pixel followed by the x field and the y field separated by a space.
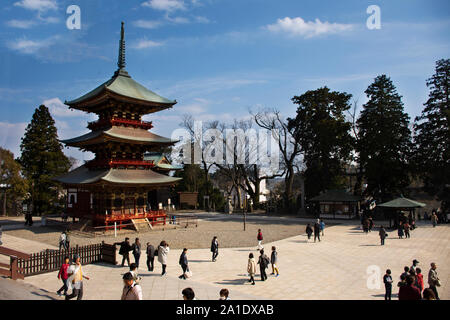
pixel 26 46
pixel 59 109
pixel 147 24
pixel 165 5
pixel 200 19
pixel 39 5
pixel 10 136
pixel 21 24
pixel 144 44
pixel 178 20
pixel 307 29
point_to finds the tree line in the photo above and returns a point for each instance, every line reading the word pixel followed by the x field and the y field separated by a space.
pixel 318 146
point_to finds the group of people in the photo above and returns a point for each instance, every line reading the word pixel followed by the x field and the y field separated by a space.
pixel 411 284
pixel 64 240
pixel 264 262
pixel 72 277
pixel 317 228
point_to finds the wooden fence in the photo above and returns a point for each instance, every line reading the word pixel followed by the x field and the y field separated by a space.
pixel 12 269
pixel 51 260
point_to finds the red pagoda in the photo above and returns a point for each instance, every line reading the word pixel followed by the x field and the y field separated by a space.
pixel 115 185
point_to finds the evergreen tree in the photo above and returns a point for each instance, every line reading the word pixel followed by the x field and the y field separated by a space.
pixel 432 135
pixel 11 177
pixel 324 137
pixel 42 160
pixel 384 144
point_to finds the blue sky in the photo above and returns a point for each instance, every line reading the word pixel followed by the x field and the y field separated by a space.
pixel 217 58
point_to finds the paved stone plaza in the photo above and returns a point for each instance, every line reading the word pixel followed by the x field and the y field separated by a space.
pixel 335 268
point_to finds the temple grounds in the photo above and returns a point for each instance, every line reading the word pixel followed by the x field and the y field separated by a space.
pixel 335 268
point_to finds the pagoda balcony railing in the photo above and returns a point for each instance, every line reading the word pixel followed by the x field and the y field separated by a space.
pixel 101 123
pixel 115 163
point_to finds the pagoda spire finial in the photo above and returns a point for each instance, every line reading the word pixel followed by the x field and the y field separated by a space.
pixel 121 62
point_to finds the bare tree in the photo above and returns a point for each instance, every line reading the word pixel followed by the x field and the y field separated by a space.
pixel 287 140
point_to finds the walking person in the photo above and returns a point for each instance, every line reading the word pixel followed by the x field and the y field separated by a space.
pixel 370 224
pixel 274 260
pixel 150 257
pixel 387 279
pixel 434 220
pixel 382 234
pixel 63 275
pixel 136 247
pixel 260 239
pixel 309 231
pixel 251 268
pixel 366 226
pixel 75 280
pixel 163 252
pixel 124 251
pixel 62 240
pixel 214 248
pixel 317 230
pixel 184 264
pixel 67 240
pixel 131 289
pixel 433 280
pixel 263 262
pixel 322 226
pixel 407 228
pixel 400 230
pixel 419 277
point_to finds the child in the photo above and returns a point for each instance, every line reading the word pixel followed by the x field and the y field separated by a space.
pixel 260 239
pixel 251 268
pixel 387 279
pixel 273 261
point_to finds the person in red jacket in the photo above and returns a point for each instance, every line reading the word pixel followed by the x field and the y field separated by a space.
pixel 419 277
pixel 62 275
pixel 260 239
pixel 409 292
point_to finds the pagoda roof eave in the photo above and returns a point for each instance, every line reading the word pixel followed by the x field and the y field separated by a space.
pixel 82 176
pixel 119 134
pixel 122 88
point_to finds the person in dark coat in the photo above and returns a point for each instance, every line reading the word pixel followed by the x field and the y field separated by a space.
pixel 263 262
pixel 382 234
pixel 317 230
pixel 150 257
pixel 400 230
pixel 124 251
pixel 184 263
pixel 366 226
pixel 136 247
pixel 309 231
pixel 387 279
pixel 370 224
pixel 214 248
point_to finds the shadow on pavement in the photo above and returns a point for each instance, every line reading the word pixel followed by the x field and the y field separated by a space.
pixel 234 282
